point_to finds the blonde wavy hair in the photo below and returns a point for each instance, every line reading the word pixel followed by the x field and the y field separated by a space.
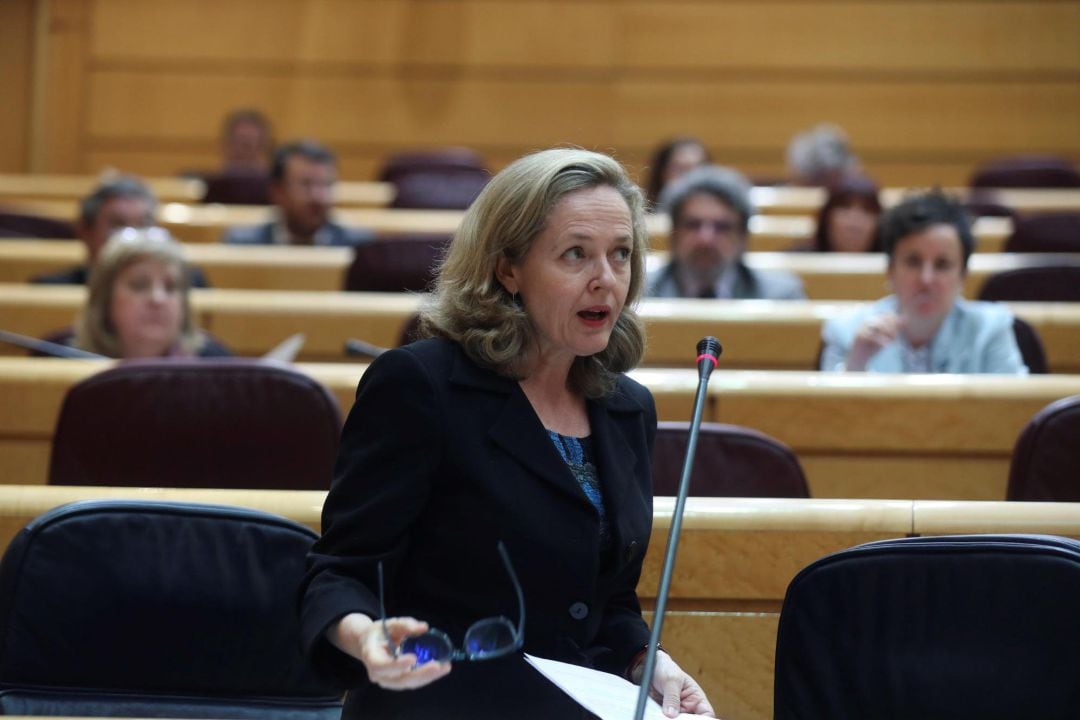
pixel 94 330
pixel 471 307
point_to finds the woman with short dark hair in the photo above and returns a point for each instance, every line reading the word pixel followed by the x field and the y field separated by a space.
pixel 925 325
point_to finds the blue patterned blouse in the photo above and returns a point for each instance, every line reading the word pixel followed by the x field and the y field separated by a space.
pixel 578 455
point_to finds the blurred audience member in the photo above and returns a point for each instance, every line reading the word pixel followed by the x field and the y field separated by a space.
pixel 820 156
pixel 925 326
pixel 302 180
pixel 672 160
pixel 710 213
pixel 247 141
pixel 137 304
pixel 120 202
pixel 847 222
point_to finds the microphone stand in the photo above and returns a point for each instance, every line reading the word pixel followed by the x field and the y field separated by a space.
pixel 708 351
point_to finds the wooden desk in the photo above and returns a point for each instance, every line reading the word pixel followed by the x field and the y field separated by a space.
pixel 72 188
pixel 835 276
pixel 206 223
pixel 769 200
pixel 736 559
pixel 808 200
pixel 168 189
pixel 858 435
pixel 757 334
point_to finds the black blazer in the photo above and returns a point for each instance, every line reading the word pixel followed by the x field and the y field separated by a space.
pixel 439 460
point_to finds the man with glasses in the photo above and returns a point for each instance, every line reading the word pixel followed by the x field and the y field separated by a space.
pixel 116 203
pixel 710 213
pixel 302 181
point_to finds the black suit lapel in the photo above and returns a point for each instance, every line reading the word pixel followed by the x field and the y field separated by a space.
pixel 611 419
pixel 517 429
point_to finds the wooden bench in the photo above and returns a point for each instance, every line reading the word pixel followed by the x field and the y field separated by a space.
pixel 736 559
pixel 757 334
pixel 167 189
pixel 826 276
pixel 858 435
pixel 768 200
pixel 808 200
pixel 205 223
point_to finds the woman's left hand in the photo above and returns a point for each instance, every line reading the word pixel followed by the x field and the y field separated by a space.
pixel 676 691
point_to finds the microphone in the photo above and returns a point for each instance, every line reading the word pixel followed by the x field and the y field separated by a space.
pixel 360 348
pixel 708 356
pixel 708 350
pixel 47 348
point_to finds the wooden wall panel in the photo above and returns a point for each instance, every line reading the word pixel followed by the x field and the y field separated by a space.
pixel 982 38
pixel 970 37
pixel 16 69
pixel 926 90
pixel 130 107
pixel 59 143
pixel 899 119
pixel 336 35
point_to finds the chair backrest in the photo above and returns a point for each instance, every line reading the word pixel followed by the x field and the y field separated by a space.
pixel 987 202
pixel 233 189
pixel 1050 232
pixel 396 263
pixel 446 179
pixel 1047 455
pixel 933 628
pixel 731 461
pixel 1045 283
pixel 16 224
pixel 1031 348
pixel 156 609
pixel 1027 171
pixel 197 423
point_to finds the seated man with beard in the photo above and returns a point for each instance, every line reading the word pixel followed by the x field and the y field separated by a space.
pixel 710 213
pixel 302 180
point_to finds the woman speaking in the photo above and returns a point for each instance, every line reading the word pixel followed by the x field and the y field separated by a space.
pixel 492 490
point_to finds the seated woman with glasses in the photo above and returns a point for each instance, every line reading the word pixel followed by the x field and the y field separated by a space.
pixel 511 424
pixel 925 326
pixel 137 301
pixel 710 212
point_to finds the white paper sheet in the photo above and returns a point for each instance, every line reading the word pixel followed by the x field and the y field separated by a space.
pixel 607 696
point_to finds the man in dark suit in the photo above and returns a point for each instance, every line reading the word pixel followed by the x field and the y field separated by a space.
pixel 302 181
pixel 124 201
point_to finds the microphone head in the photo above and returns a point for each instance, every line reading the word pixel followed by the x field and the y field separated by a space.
pixel 709 346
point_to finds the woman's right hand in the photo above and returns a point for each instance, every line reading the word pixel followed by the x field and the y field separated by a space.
pixel 875 333
pixel 363 638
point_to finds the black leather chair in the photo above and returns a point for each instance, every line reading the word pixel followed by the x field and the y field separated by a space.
pixel 1027 171
pixel 400 263
pixel 1047 455
pixel 731 461
pixel 1044 283
pixel 1046 233
pixel 17 224
pixel 933 628
pixel 155 609
pixel 197 423
pixel 1031 348
pixel 234 189
pixel 441 179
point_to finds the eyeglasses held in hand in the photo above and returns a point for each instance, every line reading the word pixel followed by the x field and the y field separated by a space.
pixel 486 639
